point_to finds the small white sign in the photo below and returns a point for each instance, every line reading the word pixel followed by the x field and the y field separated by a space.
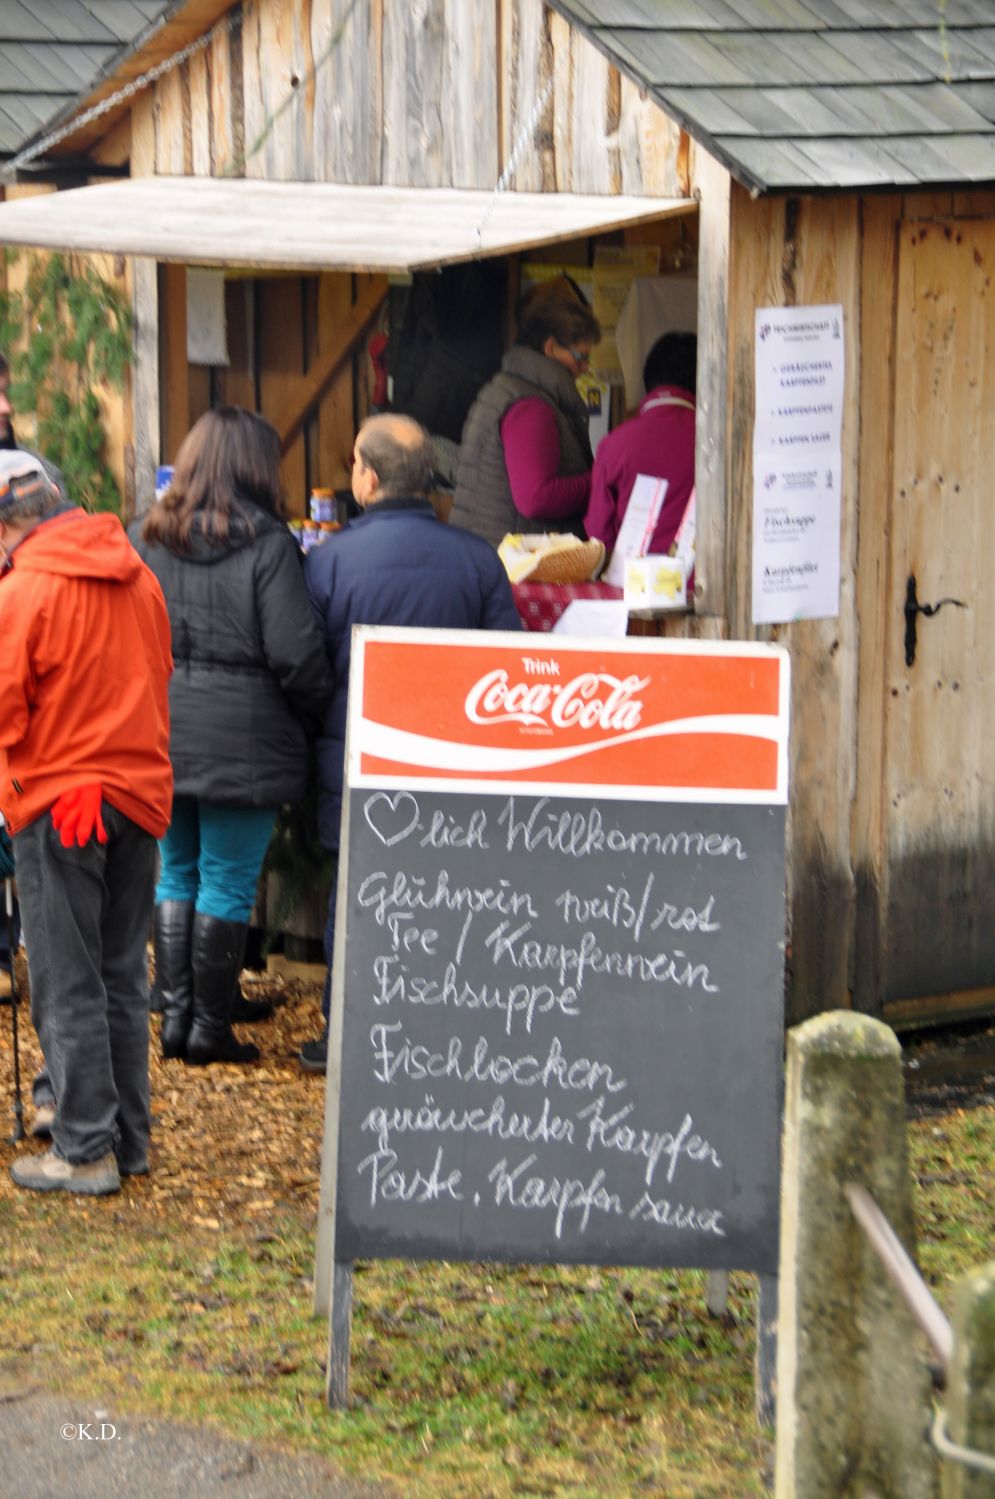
pixel 797 463
pixel 638 524
pixel 684 541
pixel 599 617
pixel 656 582
pixel 207 340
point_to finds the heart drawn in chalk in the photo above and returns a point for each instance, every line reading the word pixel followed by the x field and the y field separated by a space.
pixel 391 817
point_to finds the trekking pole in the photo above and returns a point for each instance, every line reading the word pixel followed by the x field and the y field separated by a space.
pixel 18 1133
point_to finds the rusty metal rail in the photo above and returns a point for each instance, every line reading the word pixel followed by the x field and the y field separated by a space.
pixel 929 1317
pixel 902 1272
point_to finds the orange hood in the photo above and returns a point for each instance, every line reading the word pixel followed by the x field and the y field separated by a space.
pixel 77 545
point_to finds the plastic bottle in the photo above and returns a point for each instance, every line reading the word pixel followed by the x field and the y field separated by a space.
pixel 163 479
pixel 322 505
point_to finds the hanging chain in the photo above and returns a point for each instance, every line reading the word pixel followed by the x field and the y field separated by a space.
pixel 9 171
pixel 237 166
pixel 128 91
pixel 525 136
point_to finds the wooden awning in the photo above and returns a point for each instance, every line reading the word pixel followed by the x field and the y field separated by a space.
pixel 312 226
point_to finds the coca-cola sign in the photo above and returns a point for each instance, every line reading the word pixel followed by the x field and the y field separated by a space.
pixel 662 718
pixel 590 700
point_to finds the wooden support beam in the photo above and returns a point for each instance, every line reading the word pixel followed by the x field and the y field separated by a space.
pixel 175 371
pixel 712 444
pixel 145 393
pixel 309 390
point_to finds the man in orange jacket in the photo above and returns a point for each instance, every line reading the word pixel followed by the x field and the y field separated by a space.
pixel 86 788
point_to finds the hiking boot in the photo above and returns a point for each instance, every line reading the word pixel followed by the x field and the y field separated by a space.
pixel 313 1055
pixel 44 1119
pixel 50 1173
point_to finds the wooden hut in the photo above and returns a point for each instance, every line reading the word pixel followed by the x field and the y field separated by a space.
pixel 789 152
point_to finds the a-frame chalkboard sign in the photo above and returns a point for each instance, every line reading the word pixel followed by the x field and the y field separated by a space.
pixel 557 1006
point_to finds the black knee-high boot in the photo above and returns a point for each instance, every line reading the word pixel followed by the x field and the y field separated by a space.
pixel 218 948
pixel 174 972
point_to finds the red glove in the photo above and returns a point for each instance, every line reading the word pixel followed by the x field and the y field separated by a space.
pixel 76 816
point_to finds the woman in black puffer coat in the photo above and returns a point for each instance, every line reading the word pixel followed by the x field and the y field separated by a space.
pixel 250 683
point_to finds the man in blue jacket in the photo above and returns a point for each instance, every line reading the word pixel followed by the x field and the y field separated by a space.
pixel 396 564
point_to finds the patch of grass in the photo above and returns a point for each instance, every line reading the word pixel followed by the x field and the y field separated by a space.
pixel 953 1159
pixel 466 1379
pixel 189 1295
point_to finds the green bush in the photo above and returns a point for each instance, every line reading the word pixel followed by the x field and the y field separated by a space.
pixel 66 335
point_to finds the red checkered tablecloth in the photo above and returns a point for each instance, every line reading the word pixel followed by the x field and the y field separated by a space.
pixel 541 604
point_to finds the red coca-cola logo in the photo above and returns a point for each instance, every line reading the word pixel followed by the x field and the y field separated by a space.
pixel 590 700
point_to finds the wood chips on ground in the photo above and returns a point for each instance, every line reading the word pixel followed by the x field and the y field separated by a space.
pixel 230 1143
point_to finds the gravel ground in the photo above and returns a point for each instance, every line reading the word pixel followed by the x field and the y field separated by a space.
pixel 55 1447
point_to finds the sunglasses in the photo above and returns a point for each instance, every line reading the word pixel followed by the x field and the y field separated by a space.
pixel 580 358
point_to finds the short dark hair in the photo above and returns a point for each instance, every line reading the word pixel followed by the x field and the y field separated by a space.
pixel 673 360
pixel 556 310
pixel 403 468
pixel 228 456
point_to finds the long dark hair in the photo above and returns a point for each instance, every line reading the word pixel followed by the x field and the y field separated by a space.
pixel 228 456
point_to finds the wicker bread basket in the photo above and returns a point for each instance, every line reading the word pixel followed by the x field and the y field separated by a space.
pixel 558 559
pixel 570 564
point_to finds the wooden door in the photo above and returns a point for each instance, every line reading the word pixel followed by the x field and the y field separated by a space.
pixel 938 913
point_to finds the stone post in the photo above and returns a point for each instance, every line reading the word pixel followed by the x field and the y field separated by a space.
pixel 971 1385
pixel 853 1396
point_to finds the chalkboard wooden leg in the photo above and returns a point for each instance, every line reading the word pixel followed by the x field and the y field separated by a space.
pixel 765 1374
pixel 339 1328
pixel 717 1292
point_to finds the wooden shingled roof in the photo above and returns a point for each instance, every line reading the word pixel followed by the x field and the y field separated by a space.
pixel 815 95
pixel 53 51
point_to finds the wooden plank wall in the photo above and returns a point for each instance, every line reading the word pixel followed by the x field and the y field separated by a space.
pixel 939 710
pixel 425 93
pixel 348 92
pixel 796 252
pixel 880 218
pixel 597 135
pixel 793 252
pixel 413 92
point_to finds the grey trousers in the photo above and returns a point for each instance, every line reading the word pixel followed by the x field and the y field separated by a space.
pixel 86 914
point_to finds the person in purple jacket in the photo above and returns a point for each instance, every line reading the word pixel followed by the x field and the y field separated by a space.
pixel 658 441
pixel 395 564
